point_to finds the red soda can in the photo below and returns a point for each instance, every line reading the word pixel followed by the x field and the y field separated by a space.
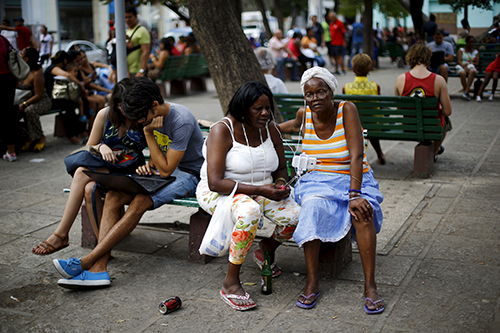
pixel 170 305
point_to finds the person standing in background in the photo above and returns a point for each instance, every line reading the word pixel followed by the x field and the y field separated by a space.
pixel 357 40
pixel 24 36
pixel 337 34
pixel 9 34
pixel 138 44
pixel 327 41
pixel 319 32
pixel 46 42
pixel 430 28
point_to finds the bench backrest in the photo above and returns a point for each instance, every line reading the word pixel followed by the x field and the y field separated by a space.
pixel 184 67
pixel 385 117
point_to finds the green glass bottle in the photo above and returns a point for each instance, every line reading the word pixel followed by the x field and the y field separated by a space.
pixel 267 276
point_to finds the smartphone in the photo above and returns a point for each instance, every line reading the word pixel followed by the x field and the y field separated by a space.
pixel 292 181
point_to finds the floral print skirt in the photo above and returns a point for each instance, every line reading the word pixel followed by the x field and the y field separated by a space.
pixel 247 212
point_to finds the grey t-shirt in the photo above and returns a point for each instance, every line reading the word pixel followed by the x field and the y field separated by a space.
pixel 444 46
pixel 181 132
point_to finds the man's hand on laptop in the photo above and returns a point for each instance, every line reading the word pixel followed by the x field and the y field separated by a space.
pixel 146 170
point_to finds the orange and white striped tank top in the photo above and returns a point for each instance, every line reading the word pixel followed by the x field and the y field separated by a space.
pixel 332 154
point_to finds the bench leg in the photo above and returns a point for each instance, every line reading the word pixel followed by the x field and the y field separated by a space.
pixel 198 84
pixel 89 238
pixel 334 257
pixel 178 87
pixel 59 130
pixel 198 224
pixel 423 160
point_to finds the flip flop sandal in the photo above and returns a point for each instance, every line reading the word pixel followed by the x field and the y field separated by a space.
pixel 376 311
pixel 227 298
pixel 49 248
pixel 308 306
pixel 259 260
pixel 38 147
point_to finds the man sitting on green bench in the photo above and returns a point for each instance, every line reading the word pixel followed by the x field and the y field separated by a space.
pixel 174 140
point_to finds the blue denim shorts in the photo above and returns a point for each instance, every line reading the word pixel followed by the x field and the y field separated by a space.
pixel 184 185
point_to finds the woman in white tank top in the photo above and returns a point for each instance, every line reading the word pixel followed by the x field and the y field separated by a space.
pixel 246 148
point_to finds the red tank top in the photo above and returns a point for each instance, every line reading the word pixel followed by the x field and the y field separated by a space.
pixel 419 87
pixel 293 48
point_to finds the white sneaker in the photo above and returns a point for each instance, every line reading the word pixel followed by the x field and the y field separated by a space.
pixel 491 97
pixel 10 157
pixel 478 98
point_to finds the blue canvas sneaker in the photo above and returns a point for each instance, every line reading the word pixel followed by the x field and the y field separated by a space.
pixel 68 268
pixel 86 279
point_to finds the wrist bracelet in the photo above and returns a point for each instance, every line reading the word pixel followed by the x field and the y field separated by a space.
pixel 99 147
pixel 356 179
pixel 354 198
pixel 354 190
pixel 277 180
pixel 25 104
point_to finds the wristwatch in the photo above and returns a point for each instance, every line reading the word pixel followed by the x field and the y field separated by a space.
pixel 141 71
pixel 25 104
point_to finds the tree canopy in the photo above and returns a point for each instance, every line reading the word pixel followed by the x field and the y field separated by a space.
pixel 459 5
pixel 390 8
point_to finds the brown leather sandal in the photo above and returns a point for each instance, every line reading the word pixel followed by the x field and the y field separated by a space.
pixel 49 248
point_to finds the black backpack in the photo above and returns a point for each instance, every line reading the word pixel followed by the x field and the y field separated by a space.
pixel 112 55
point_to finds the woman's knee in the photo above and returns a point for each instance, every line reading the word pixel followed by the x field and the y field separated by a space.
pixel 247 212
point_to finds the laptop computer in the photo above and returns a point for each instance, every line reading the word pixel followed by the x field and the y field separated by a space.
pixel 129 183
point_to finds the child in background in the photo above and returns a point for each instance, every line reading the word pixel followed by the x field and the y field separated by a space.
pixel 72 68
pixel 361 66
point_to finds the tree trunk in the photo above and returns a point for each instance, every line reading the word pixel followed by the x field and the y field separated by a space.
pixel 229 56
pixel 416 16
pixel 368 28
pixel 278 13
pixel 237 10
pixel 262 8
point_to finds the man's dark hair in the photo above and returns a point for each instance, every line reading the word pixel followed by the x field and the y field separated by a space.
pixel 138 100
pixel 245 97
pixel 72 55
pixel 6 21
pixel 131 10
pixel 309 29
pixel 432 17
pixel 32 54
pixel 439 32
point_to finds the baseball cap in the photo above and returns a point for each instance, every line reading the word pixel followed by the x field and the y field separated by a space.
pixel 19 19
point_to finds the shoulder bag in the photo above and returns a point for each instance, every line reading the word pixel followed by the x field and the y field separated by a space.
pixel 17 66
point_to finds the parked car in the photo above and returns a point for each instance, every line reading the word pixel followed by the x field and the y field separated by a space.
pixel 93 52
pixel 178 32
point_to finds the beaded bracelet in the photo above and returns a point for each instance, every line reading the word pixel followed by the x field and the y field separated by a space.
pixel 354 190
pixel 354 198
pixel 283 179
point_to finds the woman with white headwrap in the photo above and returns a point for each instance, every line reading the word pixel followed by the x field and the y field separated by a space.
pixel 340 193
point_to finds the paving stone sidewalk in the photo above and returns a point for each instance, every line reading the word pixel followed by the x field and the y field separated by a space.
pixel 438 261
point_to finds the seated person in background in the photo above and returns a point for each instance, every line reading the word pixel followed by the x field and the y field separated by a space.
pixel 89 75
pixel 283 55
pixel 420 82
pixel 267 63
pixel 310 49
pixel 245 148
pixel 72 68
pixel 177 48
pixel 492 71
pixel 159 58
pixel 38 103
pixel 70 120
pixel 191 45
pixel 468 59
pixel 361 66
pixel 439 45
pixel 117 129
pixel 449 39
pixel 461 41
pixel 174 140
pixel 340 194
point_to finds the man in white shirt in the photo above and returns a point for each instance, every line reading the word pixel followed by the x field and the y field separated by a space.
pixel 10 35
pixel 46 42
pixel 267 63
pixel 283 55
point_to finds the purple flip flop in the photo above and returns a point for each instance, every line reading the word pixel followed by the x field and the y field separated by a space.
pixel 308 306
pixel 368 311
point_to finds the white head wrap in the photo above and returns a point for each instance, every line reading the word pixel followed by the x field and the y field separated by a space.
pixel 320 73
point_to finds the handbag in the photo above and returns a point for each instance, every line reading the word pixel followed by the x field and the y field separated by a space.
pixel 447 124
pixel 217 239
pixel 21 96
pixel 17 66
pixel 65 89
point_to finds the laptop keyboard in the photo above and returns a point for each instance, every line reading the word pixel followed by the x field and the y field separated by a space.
pixel 151 184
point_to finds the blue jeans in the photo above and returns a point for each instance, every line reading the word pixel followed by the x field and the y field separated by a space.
pixel 281 66
pixel 184 185
pixel 357 47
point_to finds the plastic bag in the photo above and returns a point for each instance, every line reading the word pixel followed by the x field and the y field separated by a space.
pixel 217 239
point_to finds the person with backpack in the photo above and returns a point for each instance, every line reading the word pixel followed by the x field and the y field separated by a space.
pixel 138 44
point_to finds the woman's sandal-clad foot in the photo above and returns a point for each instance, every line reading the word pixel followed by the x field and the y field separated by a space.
pixel 53 244
pixel 237 298
pixel 373 303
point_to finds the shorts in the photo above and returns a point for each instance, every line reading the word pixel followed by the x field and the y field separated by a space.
pixel 329 46
pixel 184 185
pixel 461 69
pixel 436 69
pixel 338 50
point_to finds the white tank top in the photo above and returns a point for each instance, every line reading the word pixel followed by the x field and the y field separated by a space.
pixel 245 164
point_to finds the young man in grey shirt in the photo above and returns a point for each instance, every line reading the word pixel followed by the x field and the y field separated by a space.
pixel 439 45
